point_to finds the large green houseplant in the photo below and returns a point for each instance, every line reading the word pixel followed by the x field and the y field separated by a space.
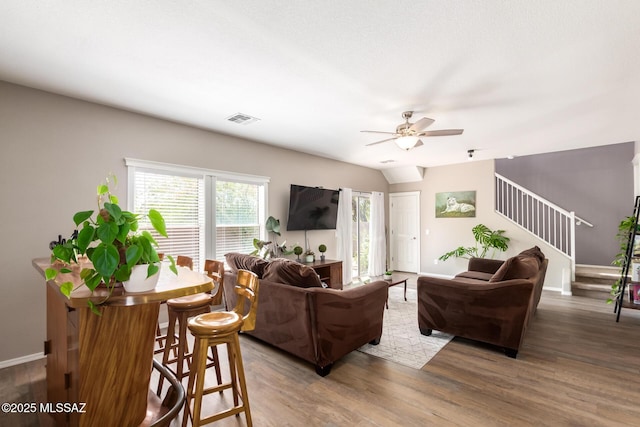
pixel 486 239
pixel 111 242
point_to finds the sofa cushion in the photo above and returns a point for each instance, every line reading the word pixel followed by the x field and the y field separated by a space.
pixel 517 267
pixel 479 275
pixel 238 261
pixel 288 271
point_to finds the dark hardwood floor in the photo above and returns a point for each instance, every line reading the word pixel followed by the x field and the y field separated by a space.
pixel 578 367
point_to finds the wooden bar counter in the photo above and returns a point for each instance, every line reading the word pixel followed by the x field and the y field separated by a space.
pixel 102 364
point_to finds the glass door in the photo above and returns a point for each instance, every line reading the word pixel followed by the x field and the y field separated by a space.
pixel 361 212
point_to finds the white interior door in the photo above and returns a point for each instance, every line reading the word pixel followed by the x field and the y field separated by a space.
pixel 404 225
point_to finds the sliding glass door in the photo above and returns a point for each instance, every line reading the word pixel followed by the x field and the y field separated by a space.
pixel 361 213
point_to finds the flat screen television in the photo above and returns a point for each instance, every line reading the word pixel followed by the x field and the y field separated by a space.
pixel 312 208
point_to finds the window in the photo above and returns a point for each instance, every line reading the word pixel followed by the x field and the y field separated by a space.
pixel 208 213
pixel 361 211
pixel 239 216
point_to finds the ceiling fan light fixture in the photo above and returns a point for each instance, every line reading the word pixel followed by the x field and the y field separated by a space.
pixel 407 142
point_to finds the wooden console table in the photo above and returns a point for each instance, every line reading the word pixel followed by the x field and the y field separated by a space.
pixel 329 270
pixel 105 361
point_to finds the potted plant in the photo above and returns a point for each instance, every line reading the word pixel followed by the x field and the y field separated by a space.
pixel 298 251
pixel 485 239
pixel 270 249
pixel 322 249
pixel 388 274
pixel 111 244
pixel 309 256
pixel 625 228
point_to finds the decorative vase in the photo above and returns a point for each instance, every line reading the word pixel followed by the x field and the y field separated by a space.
pixel 138 281
pixel 309 258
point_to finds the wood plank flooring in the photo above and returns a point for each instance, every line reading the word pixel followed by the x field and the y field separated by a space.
pixel 578 367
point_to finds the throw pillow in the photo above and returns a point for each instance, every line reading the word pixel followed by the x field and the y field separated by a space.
pixel 238 261
pixel 534 252
pixel 290 272
pixel 517 267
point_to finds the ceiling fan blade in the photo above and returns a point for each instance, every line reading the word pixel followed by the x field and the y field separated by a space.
pixel 443 132
pixel 378 131
pixel 421 124
pixel 418 144
pixel 379 142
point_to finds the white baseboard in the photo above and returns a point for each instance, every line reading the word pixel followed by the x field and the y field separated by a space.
pixel 20 360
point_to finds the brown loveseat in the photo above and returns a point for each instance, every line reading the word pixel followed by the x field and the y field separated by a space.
pixel 493 302
pixel 298 315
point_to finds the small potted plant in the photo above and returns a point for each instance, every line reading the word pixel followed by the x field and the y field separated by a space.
pixel 309 256
pixel 388 274
pixel 322 249
pixel 298 251
pixel 112 247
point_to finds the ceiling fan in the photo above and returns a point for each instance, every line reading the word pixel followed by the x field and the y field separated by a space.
pixel 407 135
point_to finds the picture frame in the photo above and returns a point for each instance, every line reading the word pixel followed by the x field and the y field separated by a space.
pixel 456 204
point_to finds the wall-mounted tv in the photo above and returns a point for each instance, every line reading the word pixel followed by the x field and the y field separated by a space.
pixel 312 208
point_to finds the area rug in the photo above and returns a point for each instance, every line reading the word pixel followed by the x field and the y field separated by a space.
pixel 401 340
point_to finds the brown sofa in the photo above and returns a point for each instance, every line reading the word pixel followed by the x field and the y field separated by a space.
pixel 298 315
pixel 493 302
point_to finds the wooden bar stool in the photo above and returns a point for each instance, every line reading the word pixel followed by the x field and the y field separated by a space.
pixel 215 270
pixel 213 329
pixel 180 310
pixel 181 261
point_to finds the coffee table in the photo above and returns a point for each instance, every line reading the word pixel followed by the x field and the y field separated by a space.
pixel 395 280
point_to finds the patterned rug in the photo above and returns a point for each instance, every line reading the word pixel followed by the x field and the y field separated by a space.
pixel 401 340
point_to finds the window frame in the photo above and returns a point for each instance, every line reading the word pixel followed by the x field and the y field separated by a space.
pixel 210 176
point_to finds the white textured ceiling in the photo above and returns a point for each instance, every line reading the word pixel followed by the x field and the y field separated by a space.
pixel 520 76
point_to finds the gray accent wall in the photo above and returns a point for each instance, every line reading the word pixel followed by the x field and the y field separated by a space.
pixel 595 183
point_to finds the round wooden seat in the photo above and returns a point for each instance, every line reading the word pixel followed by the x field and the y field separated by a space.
pixel 217 323
pixel 189 302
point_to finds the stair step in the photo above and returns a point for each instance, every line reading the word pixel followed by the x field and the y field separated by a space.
pixel 591 290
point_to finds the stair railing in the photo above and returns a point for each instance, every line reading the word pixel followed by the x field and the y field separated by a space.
pixel 545 220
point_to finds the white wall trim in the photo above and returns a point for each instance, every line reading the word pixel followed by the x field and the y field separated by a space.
pixel 190 170
pixel 21 360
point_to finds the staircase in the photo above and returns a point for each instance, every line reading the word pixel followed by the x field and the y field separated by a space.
pixel 594 281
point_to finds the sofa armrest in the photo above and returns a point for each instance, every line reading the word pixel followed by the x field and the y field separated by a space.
pixel 484 265
pixel 495 313
pixel 347 319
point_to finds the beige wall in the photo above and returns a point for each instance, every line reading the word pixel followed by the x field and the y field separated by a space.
pixel 446 234
pixel 55 150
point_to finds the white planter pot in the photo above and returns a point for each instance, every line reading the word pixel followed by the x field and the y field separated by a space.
pixel 139 282
pixel 309 258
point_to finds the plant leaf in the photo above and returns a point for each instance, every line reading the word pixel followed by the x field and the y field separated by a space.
pixel 66 289
pixel 81 217
pixel 85 237
pixel 273 225
pixel 50 273
pixel 105 258
pixel 94 308
pixel 157 221
pixel 123 273
pixel 102 189
pixel 172 265
pixel 107 232
pixel 153 269
pixel 133 254
pixel 114 210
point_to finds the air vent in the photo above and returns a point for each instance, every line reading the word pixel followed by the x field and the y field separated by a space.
pixel 387 161
pixel 242 119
